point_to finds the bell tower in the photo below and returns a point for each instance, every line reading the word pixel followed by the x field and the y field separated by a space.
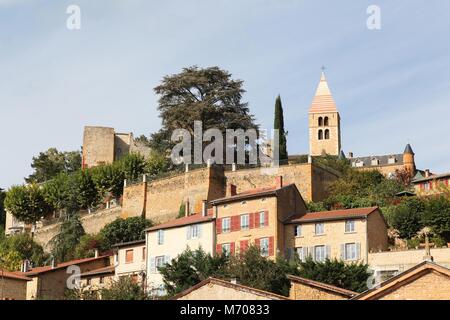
pixel 324 122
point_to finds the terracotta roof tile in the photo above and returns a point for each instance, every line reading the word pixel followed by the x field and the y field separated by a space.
pixel 192 219
pixel 333 215
pixel 322 285
pixel 108 269
pixel 323 101
pixel 13 275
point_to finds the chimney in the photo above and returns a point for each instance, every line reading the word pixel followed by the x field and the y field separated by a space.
pixel 428 257
pixel 53 264
pixel 350 155
pixel 96 253
pixel 232 189
pixel 25 265
pixel 427 173
pixel 204 208
pixel 279 182
pixel 186 208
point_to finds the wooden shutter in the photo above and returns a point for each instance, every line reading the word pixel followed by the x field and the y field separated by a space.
pixel 219 225
pixel 251 220
pixel 199 226
pixel 188 232
pixel 232 248
pixel 266 218
pixel 235 223
pixel 256 219
pixel 358 250
pixel 129 256
pixel 271 246
pixel 152 264
pixel 312 253
pixel 219 249
pixel 243 246
pixel 342 251
pixel 166 259
pixel 257 244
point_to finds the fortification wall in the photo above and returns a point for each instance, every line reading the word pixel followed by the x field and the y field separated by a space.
pixel 92 223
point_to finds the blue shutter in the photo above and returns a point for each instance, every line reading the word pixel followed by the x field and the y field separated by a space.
pixel 199 230
pixel 342 251
pixel 358 250
pixel 152 265
pixel 188 232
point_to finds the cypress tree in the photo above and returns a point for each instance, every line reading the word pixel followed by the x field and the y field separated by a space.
pixel 279 124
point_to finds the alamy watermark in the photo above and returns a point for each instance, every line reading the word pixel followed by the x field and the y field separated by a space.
pixel 73 22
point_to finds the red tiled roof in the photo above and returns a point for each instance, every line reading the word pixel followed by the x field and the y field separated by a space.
pixel 13 275
pixel 252 193
pixel 333 215
pixel 108 269
pixel 38 270
pixel 192 219
pixel 323 101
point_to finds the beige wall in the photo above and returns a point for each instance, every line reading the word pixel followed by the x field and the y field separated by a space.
pixel 431 286
pixel 175 242
pixel 13 289
pixel 52 284
pixel 135 267
pixel 333 237
pixel 213 291
pixel 98 146
pixel 330 146
pixel 399 261
pixel 300 291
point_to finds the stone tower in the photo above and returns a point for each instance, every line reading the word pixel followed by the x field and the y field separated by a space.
pixel 408 159
pixel 324 122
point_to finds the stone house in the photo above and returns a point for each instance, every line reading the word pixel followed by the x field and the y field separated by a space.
pixel 255 217
pixel 348 235
pixel 13 285
pixel 217 289
pixel 306 289
pixel 425 281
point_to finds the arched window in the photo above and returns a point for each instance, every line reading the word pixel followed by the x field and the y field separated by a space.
pixel 327 134
pixel 320 135
pixel 325 121
pixel 320 121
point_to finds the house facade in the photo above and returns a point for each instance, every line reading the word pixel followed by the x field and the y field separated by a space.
pixel 432 184
pixel 255 217
pixel 130 260
pixel 166 241
pixel 347 235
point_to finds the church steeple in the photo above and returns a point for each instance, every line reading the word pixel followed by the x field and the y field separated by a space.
pixel 324 122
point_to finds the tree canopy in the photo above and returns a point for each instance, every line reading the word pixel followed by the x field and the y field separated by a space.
pixel 50 163
pixel 124 230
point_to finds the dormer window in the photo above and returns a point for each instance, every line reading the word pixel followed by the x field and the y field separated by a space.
pixel 375 162
pixel 359 163
pixel 392 160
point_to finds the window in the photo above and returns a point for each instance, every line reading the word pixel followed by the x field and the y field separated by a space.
pixel 194 231
pixel 298 231
pixel 320 135
pixel 319 253
pixel 226 224
pixel 129 256
pixel 375 162
pixel 89 281
pixel 327 134
pixel 350 251
pixel 426 186
pixel 301 252
pixel 226 248
pixel 325 121
pixel 264 246
pixel 159 261
pixel 319 228
pixel 102 280
pixel 320 121
pixel 262 219
pixel 245 221
pixel 392 160
pixel 350 226
pixel 160 236
pixel 143 254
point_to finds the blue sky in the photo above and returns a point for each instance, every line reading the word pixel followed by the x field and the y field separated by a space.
pixel 391 85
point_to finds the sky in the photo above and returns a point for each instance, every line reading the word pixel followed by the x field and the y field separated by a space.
pixel 391 85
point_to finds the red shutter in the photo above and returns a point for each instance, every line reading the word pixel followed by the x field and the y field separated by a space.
pixel 235 221
pixel 252 220
pixel 256 219
pixel 266 218
pixel 219 249
pixel 431 185
pixel 232 249
pixel 218 225
pixel 243 246
pixel 271 246
pixel 257 244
